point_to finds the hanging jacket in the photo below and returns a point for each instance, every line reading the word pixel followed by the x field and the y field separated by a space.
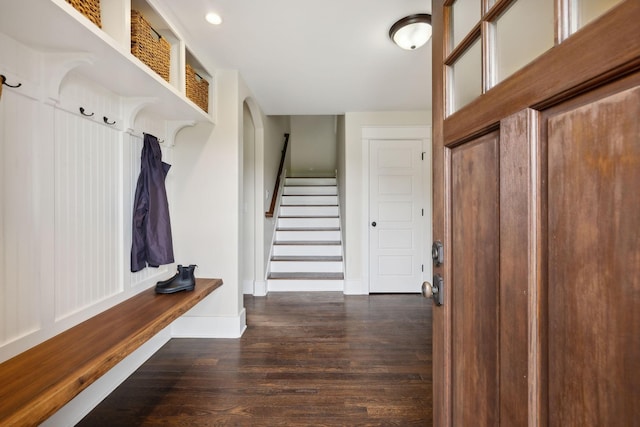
pixel 151 241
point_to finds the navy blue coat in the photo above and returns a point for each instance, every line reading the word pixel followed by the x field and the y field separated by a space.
pixel 151 243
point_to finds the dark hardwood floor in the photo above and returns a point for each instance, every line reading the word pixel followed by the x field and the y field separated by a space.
pixel 314 359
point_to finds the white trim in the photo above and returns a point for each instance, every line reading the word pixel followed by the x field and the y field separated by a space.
pixel 275 285
pixel 396 132
pixel 248 286
pixel 356 287
pixel 209 326
pixel 82 404
pixel 260 288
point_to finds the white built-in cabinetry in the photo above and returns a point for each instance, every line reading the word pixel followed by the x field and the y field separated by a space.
pixel 67 176
pixel 69 41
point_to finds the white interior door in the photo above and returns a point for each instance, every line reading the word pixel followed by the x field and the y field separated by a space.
pixel 396 215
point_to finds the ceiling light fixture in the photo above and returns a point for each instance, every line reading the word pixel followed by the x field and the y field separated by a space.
pixel 213 18
pixel 412 31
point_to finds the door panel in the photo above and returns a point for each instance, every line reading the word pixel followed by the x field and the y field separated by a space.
pixel 474 294
pixel 594 262
pixel 395 208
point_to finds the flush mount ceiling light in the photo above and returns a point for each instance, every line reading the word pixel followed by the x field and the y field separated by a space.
pixel 213 18
pixel 412 31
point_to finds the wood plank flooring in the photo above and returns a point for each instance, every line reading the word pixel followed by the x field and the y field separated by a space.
pixel 306 359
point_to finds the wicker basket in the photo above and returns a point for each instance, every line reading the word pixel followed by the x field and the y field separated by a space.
pixel 197 88
pixel 148 46
pixel 89 8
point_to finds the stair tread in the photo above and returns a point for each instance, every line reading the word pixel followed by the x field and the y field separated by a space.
pixel 308 217
pixel 308 242
pixel 311 177
pixel 308 229
pixel 307 206
pixel 313 258
pixel 307 276
pixel 309 195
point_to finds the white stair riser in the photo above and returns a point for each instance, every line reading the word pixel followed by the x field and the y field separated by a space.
pixel 332 191
pixel 310 181
pixel 274 285
pixel 306 266
pixel 309 211
pixel 307 250
pixel 305 236
pixel 308 222
pixel 309 200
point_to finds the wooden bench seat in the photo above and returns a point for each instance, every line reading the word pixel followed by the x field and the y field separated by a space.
pixel 41 380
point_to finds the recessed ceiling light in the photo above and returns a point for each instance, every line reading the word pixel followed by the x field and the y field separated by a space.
pixel 213 18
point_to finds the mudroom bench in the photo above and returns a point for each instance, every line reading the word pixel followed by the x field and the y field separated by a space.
pixel 41 380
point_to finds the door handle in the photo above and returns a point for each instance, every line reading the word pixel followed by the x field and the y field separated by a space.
pixel 374 224
pixel 435 290
pixel 427 290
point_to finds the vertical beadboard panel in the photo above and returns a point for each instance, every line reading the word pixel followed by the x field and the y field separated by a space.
pixel 19 218
pixel 87 209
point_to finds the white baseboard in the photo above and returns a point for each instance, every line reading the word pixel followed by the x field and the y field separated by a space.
pixel 209 326
pixel 305 285
pixel 355 287
pixel 89 398
pixel 260 288
pixel 247 287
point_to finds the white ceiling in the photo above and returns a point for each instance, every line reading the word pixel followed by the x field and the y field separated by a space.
pixel 311 57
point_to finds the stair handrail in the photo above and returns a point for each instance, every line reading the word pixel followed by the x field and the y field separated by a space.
pixel 274 197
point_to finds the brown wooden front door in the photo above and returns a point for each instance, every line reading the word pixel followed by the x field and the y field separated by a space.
pixel 537 203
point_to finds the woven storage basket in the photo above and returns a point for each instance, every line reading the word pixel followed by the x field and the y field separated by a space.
pixel 197 88
pixel 148 46
pixel 89 8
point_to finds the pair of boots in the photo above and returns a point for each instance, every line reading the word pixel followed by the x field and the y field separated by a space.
pixel 184 280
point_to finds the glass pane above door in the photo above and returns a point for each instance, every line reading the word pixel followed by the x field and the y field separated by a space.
pixel 465 77
pixel 465 14
pixel 584 11
pixel 521 33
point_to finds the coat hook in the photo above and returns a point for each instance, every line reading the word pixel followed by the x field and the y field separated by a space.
pixel 106 120
pixel 4 82
pixel 82 111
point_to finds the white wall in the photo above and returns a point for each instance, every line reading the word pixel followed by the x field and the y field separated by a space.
pixel 341 170
pixel 274 129
pixel 206 226
pixel 248 264
pixel 268 139
pixel 353 185
pixel 313 145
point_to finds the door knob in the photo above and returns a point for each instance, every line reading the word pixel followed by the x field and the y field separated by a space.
pixel 374 224
pixel 434 291
pixel 427 290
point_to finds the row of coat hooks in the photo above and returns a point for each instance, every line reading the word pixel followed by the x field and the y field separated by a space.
pixel 105 119
pixel 83 111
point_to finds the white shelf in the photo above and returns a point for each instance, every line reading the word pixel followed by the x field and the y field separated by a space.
pixel 55 27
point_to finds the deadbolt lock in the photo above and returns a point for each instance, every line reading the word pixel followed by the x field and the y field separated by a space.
pixel 437 253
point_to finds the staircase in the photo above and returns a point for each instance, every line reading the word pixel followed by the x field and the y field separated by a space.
pixel 307 249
